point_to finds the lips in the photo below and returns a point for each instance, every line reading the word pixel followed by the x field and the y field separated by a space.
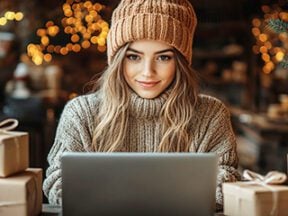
pixel 147 84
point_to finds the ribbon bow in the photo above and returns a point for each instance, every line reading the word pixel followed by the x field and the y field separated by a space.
pixel 12 124
pixel 271 178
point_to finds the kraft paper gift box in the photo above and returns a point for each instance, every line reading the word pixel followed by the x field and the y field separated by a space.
pixel 14 152
pixel 21 194
pixel 251 199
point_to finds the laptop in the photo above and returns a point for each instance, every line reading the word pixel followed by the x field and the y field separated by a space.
pixel 138 184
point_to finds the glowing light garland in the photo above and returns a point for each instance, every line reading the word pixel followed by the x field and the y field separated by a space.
pixel 81 22
pixel 272 47
pixel 10 16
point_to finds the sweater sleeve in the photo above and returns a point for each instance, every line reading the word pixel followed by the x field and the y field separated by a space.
pixel 225 146
pixel 71 135
pixel 219 138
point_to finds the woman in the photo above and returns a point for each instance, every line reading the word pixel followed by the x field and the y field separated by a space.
pixel 147 99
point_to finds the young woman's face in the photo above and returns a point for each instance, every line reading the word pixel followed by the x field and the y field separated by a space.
pixel 149 67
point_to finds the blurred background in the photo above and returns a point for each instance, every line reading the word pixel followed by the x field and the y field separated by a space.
pixel 50 50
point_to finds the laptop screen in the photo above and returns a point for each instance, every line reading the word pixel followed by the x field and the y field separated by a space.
pixel 138 183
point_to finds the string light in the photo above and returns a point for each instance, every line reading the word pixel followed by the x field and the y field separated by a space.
pixel 11 16
pixel 81 21
pixel 272 47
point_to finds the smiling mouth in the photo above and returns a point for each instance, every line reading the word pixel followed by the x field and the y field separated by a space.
pixel 147 84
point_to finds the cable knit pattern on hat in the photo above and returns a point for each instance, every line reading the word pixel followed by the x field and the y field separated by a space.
pixel 211 132
pixel 169 21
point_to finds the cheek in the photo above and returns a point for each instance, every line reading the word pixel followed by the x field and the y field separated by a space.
pixel 130 73
pixel 126 71
pixel 170 79
pixel 129 70
pixel 127 79
pixel 170 73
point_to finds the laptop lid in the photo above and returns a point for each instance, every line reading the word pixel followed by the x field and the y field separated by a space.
pixel 138 184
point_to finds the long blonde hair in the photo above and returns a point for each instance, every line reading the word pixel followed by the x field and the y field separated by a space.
pixel 113 117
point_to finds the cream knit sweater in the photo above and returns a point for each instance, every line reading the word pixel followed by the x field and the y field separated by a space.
pixel 211 131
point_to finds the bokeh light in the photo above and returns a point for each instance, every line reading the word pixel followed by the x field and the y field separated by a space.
pixel 81 21
pixel 272 46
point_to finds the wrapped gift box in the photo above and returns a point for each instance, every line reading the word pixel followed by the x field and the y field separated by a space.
pixel 21 194
pixel 246 198
pixel 14 152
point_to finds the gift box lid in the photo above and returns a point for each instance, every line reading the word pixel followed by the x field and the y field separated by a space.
pixel 249 190
pixel 10 134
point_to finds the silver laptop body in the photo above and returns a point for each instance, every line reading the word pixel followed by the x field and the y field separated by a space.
pixel 138 184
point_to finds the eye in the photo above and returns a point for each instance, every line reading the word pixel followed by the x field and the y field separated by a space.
pixel 164 57
pixel 133 57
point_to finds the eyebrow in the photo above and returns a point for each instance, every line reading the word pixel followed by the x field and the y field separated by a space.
pixel 158 52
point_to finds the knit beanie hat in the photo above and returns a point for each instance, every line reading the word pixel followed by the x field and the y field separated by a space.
pixel 169 21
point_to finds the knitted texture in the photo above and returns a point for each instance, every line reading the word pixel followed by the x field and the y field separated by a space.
pixel 211 132
pixel 169 21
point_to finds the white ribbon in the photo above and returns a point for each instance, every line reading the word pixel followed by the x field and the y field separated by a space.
pixel 12 124
pixel 272 178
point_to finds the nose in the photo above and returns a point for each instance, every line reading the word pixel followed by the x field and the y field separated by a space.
pixel 148 68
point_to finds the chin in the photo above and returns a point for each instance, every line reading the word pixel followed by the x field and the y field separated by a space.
pixel 147 96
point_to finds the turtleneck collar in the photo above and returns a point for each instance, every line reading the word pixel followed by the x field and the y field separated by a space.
pixel 146 108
